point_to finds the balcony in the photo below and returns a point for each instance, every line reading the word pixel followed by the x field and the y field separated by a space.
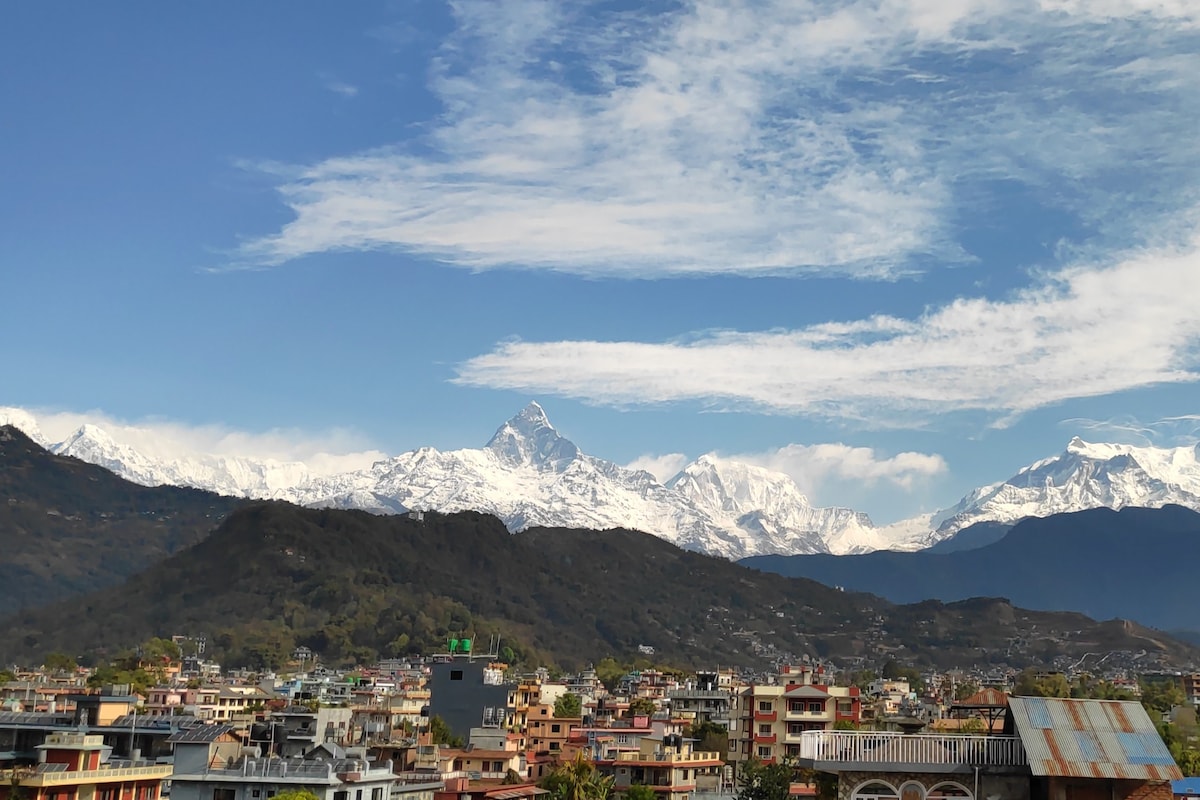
pixel 766 716
pixel 837 751
pixel 764 738
pixel 97 776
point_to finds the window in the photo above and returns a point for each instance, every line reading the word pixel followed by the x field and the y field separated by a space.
pixel 875 790
pixel 796 706
pixel 342 795
pixel 948 791
pixel 845 706
pixel 456 674
pixel 816 708
pixel 555 728
pixel 796 728
pixel 223 794
pixel 358 794
pixel 377 793
pixel 764 705
pixel 764 752
pixel 764 729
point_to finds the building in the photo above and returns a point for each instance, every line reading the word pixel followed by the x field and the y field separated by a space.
pixel 772 718
pixel 1051 749
pixel 297 729
pixel 75 766
pixel 667 764
pixel 468 693
pixel 704 701
pixel 203 773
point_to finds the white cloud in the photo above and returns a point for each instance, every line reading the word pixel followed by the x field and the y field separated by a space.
pixel 1178 431
pixel 812 466
pixel 338 86
pixel 762 137
pixel 662 467
pixel 324 452
pixel 1081 332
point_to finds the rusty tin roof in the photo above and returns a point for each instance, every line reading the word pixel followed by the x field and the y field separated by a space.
pixel 1091 739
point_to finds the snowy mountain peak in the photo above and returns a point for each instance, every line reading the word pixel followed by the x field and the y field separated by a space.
pixel 529 438
pixel 23 421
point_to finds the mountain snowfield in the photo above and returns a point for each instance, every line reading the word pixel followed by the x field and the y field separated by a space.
pixel 529 475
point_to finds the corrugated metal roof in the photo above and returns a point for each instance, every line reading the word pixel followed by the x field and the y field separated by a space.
pixel 1091 739
pixel 985 698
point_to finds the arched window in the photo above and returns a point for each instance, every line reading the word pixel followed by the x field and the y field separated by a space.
pixel 949 791
pixel 876 790
pixel 912 790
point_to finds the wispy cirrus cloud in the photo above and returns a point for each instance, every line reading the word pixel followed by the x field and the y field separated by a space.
pixel 772 137
pixel 1081 332
pixel 1177 431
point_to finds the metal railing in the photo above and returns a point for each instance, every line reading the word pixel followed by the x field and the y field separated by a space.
pixel 868 747
pixel 101 775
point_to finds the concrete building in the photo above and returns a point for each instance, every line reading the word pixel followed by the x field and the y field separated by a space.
pixel 76 766
pixel 668 765
pixel 1051 749
pixel 772 718
pixel 468 693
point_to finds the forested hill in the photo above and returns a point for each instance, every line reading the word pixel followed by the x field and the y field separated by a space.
pixel 1136 563
pixel 353 587
pixel 68 527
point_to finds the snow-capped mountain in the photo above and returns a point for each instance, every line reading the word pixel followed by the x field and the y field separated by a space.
pixel 240 477
pixel 1085 475
pixel 530 475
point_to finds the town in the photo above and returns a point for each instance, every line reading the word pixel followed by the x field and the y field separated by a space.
pixel 464 725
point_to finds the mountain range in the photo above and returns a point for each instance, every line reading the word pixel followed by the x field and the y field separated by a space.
pixel 1136 563
pixel 68 527
pixel 528 475
pixel 355 586
pixel 94 564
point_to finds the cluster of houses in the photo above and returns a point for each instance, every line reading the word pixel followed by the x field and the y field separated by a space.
pixel 461 727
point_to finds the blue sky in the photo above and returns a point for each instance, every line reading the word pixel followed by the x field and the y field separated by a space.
pixel 897 248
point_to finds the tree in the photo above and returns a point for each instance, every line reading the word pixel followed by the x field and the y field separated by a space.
pixel 642 706
pixel 610 672
pixel 965 689
pixel 59 662
pixel 577 779
pixel 760 781
pixel 710 737
pixel 511 776
pixel 7 675
pixel 640 791
pixel 297 794
pixel 1161 694
pixel 1032 683
pixel 440 733
pixel 568 705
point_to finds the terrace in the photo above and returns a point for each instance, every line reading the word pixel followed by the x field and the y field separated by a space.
pixel 841 751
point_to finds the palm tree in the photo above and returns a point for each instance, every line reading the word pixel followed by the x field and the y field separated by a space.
pixel 578 779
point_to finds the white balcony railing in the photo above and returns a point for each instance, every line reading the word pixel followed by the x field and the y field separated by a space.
pixel 868 747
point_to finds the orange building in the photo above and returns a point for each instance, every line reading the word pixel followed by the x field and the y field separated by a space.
pixel 71 768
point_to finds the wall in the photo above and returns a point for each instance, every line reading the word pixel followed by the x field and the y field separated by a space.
pixel 994 786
